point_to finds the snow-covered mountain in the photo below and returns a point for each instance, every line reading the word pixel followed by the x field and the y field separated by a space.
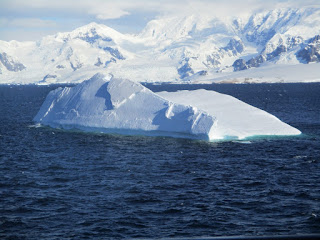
pixel 191 48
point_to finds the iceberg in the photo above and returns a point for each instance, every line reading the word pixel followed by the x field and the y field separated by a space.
pixel 127 107
pixel 234 118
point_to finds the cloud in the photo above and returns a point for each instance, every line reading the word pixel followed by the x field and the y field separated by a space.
pixel 3 22
pixel 107 11
pixel 24 35
pixel 65 15
pixel 112 9
pixel 211 8
pixel 31 23
pixel 25 29
pixel 100 9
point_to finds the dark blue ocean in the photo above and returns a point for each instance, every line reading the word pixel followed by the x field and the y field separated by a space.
pixel 58 184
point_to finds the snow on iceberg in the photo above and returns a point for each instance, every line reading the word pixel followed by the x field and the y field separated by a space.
pixel 234 118
pixel 123 106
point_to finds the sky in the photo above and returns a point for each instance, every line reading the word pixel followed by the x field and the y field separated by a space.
pixel 29 20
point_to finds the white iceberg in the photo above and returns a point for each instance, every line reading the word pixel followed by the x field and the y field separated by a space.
pixel 234 118
pixel 124 106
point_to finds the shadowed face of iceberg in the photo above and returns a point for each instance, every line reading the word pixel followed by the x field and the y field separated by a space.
pixel 103 93
pixel 166 123
pixel 123 106
pixel 179 118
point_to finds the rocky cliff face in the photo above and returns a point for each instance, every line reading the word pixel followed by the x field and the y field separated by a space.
pixel 311 52
pixel 280 33
pixel 10 64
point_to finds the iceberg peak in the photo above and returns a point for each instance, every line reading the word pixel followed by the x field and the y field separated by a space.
pixel 121 106
pixel 127 107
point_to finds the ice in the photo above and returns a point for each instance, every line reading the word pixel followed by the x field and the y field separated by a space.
pixel 126 107
pixel 121 106
pixel 196 48
pixel 234 118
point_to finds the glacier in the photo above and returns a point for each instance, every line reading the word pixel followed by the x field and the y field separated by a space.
pixel 127 107
pixel 195 48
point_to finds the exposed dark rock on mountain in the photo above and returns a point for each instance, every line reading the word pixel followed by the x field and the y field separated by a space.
pixel 202 73
pixel 239 65
pixel 98 63
pixel 280 49
pixel 92 36
pixel 256 61
pixel 212 61
pixel 112 60
pixel 10 64
pixel 115 53
pixel 185 70
pixel 311 52
pixel 48 76
pixel 76 66
pixel 235 46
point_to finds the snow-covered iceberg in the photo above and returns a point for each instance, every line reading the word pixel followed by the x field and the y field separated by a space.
pixel 124 106
pixel 234 118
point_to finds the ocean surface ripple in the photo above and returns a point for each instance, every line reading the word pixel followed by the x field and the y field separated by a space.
pixel 58 184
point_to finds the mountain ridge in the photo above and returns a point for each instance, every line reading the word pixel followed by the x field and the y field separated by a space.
pixel 172 49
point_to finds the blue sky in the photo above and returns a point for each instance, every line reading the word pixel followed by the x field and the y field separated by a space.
pixel 32 19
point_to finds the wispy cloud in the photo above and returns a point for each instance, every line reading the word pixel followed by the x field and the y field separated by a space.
pixel 29 23
pixel 110 9
pixel 68 14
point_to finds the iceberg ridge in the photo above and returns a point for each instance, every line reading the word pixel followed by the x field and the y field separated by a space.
pixel 126 107
pixel 121 106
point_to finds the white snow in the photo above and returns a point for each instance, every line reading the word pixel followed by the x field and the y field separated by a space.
pixel 121 106
pixel 124 106
pixel 164 46
pixel 269 73
pixel 234 118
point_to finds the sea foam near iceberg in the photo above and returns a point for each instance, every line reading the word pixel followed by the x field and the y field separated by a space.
pixel 126 107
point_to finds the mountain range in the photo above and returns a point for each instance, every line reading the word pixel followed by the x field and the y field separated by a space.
pixel 282 45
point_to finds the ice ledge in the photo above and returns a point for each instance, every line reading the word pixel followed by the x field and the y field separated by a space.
pixel 235 119
pixel 126 107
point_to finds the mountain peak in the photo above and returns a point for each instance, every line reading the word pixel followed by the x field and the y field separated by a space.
pixel 182 47
pixel 92 32
pixel 91 26
pixel 94 27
